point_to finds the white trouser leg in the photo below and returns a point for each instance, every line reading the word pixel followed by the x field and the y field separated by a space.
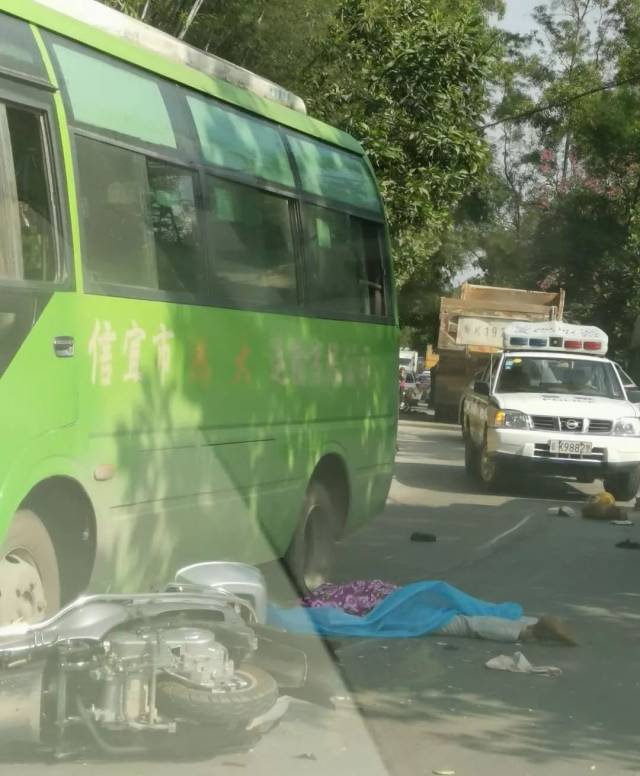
pixel 490 628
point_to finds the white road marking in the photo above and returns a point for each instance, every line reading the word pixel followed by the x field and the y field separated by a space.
pixel 505 533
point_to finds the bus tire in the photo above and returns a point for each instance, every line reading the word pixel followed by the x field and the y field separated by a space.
pixel 623 487
pixel 309 559
pixel 29 574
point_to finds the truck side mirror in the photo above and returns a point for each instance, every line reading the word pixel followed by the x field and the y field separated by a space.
pixel 481 388
pixel 633 395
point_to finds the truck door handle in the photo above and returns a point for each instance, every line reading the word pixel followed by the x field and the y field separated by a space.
pixel 64 347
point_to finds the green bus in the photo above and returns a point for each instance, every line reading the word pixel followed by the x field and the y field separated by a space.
pixel 198 340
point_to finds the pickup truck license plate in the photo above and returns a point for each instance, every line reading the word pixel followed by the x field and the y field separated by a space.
pixel 564 447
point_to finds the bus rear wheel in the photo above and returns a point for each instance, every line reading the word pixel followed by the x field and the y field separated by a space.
pixel 309 559
pixel 29 575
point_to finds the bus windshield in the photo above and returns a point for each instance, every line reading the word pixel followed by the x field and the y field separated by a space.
pixel 580 377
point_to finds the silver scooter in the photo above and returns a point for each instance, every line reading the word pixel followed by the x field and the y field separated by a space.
pixel 146 673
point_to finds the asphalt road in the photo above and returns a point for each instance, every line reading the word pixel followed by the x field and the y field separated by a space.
pixel 429 705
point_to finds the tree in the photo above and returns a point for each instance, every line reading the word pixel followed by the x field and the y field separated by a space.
pixel 408 77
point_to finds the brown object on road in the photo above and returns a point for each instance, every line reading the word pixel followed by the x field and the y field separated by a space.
pixel 602 506
pixel 549 628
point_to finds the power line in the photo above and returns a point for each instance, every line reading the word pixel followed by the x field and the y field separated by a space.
pixel 563 103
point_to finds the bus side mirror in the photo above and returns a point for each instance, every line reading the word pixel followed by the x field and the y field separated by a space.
pixel 482 388
pixel 633 395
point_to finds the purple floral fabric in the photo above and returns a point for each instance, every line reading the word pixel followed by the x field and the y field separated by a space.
pixel 357 597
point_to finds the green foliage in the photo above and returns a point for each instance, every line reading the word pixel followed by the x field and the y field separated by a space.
pixel 408 77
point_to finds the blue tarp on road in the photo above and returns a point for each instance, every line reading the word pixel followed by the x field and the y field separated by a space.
pixel 413 610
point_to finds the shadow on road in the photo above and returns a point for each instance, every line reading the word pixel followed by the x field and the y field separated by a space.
pixel 453 479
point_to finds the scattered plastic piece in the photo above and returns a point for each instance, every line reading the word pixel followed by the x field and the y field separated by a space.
pixel 444 773
pixel 306 756
pixel 621 522
pixel 518 663
pixel 563 511
pixel 419 536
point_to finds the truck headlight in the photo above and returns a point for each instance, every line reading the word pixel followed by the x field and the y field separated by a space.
pixel 511 419
pixel 627 427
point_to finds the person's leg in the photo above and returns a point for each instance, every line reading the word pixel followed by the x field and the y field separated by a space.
pixel 490 628
pixel 499 629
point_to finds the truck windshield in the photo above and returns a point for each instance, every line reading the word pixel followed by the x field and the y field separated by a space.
pixel 528 374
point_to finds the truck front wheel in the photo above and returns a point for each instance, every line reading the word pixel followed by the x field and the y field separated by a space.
pixel 490 470
pixel 623 487
pixel 471 457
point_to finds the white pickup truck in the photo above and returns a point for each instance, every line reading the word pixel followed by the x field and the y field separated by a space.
pixel 551 402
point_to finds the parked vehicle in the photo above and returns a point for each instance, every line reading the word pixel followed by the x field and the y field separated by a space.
pixel 152 251
pixel 471 328
pixel 552 402
pixel 423 382
pixel 408 359
pixel 409 392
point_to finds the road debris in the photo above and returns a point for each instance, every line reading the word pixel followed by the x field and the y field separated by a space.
pixel 602 506
pixel 518 663
pixel 563 511
pixel 305 756
pixel 420 536
pixel 443 773
pixel 627 544
pixel 621 522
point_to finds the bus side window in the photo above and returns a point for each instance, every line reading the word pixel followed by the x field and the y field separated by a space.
pixel 373 279
pixel 251 238
pixel 343 262
pixel 139 219
pixel 27 238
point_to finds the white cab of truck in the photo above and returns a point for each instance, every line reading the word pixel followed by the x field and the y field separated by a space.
pixel 552 403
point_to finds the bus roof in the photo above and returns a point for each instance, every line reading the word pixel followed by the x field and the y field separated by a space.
pixel 131 40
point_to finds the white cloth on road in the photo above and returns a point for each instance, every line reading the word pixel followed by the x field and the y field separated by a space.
pixel 489 628
pixel 518 663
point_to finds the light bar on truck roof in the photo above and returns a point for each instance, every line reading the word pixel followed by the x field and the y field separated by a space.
pixel 556 336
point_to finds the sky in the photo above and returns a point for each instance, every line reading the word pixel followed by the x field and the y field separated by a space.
pixel 518 15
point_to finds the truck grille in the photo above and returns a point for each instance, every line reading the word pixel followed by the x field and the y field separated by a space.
pixel 542 451
pixel 545 422
pixel 551 423
pixel 600 426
